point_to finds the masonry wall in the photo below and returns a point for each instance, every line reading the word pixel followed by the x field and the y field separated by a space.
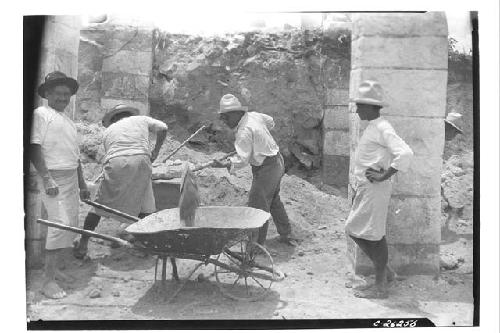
pixel 408 55
pixel 115 67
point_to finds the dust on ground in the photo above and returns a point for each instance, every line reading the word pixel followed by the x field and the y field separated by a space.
pixel 119 284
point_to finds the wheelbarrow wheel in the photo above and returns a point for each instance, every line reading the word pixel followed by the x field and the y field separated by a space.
pixel 245 271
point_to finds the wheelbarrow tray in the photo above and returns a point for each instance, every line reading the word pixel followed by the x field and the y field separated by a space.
pixel 214 228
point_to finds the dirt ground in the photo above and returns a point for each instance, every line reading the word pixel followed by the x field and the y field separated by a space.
pixel 119 284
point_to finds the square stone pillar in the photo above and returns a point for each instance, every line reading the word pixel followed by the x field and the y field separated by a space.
pixel 408 55
pixel 59 52
pixel 127 67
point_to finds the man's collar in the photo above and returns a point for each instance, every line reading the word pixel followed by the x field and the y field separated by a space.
pixel 242 120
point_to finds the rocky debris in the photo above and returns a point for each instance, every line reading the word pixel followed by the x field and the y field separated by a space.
pixel 457 185
pixel 449 262
pixel 283 74
pixel 115 293
pixel 90 138
pixel 95 293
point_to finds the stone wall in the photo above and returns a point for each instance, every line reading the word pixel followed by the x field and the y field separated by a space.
pixel 115 67
pixel 292 75
pixel 408 55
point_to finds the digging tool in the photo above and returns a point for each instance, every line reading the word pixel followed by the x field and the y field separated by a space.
pixel 211 163
pixel 181 145
pixel 190 198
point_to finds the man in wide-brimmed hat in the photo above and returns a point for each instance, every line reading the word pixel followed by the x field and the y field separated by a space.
pixel 55 155
pixel 255 146
pixel 451 128
pixel 126 180
pixel 379 155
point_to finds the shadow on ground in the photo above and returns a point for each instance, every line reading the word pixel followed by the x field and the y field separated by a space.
pixel 200 300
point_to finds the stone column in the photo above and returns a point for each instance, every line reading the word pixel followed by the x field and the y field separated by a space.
pixel 126 67
pixel 335 125
pixel 408 55
pixel 60 51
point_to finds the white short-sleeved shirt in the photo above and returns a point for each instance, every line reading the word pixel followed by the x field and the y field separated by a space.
pixel 56 133
pixel 131 136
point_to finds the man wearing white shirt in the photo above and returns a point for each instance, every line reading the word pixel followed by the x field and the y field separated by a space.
pixel 55 155
pixel 255 145
pixel 379 155
pixel 126 185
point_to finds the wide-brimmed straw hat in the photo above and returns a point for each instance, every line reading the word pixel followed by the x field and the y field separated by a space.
pixel 452 119
pixel 120 108
pixel 230 103
pixel 370 92
pixel 54 79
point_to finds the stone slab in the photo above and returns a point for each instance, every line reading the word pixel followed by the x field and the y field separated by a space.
pixel 336 117
pixel 60 36
pixel 125 86
pixel 401 24
pixel 335 170
pixel 336 142
pixel 424 136
pixel 131 62
pixel 414 220
pixel 130 39
pixel 423 178
pixel 108 103
pixel 414 93
pixel 337 97
pixel 404 53
pixel 405 259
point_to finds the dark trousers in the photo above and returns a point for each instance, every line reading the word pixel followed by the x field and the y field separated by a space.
pixel 265 194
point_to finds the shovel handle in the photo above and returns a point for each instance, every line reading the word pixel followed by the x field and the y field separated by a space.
pixel 181 145
pixel 112 211
pixel 80 231
pixel 211 163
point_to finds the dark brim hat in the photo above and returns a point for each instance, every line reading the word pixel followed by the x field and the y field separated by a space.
pixel 54 79
pixel 452 118
pixel 120 108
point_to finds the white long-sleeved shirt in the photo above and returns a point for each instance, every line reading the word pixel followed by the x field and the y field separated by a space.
pixel 380 148
pixel 131 136
pixel 253 141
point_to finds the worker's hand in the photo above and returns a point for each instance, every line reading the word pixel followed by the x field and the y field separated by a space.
pixel 375 176
pixel 84 193
pixel 50 186
pixel 154 155
pixel 221 164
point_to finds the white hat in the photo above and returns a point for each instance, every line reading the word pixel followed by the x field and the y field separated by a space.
pixel 452 118
pixel 230 103
pixel 370 92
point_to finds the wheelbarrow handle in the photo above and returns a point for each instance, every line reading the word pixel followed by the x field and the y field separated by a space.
pixel 112 211
pixel 80 231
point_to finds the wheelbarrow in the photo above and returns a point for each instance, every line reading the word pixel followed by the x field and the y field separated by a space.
pixel 221 236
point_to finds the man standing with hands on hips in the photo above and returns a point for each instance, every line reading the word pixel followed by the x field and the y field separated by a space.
pixel 255 145
pixel 55 155
pixel 379 155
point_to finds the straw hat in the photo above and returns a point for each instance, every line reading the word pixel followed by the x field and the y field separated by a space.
pixel 370 92
pixel 452 119
pixel 120 108
pixel 54 79
pixel 230 103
